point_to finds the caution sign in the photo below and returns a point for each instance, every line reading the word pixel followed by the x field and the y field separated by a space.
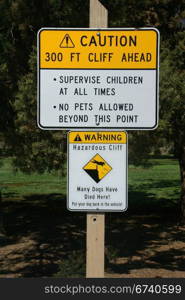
pixel 97 168
pixel 103 78
pixel 98 49
pixel 97 180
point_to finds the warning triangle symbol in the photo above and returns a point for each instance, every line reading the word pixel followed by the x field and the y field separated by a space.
pixel 78 138
pixel 67 42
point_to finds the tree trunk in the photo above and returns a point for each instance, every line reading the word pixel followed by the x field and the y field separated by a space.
pixel 182 173
pixel 2 231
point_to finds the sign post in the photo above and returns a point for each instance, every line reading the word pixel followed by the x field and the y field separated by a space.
pixel 95 235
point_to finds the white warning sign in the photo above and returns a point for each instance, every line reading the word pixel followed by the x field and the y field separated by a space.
pixel 98 78
pixel 97 180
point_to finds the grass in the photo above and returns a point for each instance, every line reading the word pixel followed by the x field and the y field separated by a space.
pixel 19 185
pixel 157 185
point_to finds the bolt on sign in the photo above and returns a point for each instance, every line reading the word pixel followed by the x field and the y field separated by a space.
pixel 97 171
pixel 98 78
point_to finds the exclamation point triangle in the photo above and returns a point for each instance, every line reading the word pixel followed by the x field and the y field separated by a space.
pixel 77 138
pixel 67 42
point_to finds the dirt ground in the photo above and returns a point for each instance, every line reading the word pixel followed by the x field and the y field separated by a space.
pixel 137 245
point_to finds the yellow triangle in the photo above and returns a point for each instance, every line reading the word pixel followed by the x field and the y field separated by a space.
pixel 67 42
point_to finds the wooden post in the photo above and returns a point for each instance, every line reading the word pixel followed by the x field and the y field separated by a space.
pixel 98 17
pixel 95 245
pixel 96 222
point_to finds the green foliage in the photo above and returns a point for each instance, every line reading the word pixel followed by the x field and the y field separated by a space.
pixel 173 93
pixel 163 14
pixel 20 20
pixel 35 149
pixel 141 144
pixel 111 254
pixel 73 266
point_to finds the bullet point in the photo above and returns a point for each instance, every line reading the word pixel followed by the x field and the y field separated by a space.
pixel 54 106
pixel 54 79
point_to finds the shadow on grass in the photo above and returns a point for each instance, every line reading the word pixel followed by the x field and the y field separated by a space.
pixel 152 241
pixel 44 233
pixel 55 232
pixel 164 260
pixel 142 247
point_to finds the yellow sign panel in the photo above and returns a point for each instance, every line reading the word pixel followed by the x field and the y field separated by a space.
pixel 98 49
pixel 97 168
pixel 99 137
